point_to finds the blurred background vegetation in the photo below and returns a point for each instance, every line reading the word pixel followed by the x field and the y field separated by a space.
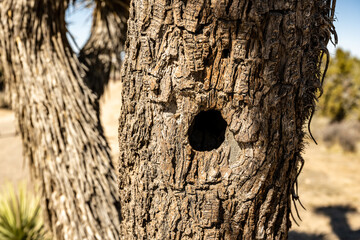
pixel 339 106
pixel 341 98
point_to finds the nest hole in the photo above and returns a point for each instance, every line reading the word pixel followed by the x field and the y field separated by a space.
pixel 207 131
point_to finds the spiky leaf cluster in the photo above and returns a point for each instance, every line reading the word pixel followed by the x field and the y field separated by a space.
pixel 20 215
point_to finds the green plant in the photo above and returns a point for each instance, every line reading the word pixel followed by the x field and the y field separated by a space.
pixel 341 98
pixel 20 215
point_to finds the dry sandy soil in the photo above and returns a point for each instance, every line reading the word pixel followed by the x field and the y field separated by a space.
pixel 329 185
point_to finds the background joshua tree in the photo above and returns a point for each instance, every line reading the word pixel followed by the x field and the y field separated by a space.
pixel 215 97
pixel 57 112
pixel 101 53
pixel 3 101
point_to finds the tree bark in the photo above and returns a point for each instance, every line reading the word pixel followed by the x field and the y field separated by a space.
pixel 101 53
pixel 3 97
pixel 62 138
pixel 257 63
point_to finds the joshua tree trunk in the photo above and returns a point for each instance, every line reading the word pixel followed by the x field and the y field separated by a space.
pixel 215 96
pixel 61 133
pixel 101 53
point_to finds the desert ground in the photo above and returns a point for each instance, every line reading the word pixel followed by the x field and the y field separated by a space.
pixel 329 185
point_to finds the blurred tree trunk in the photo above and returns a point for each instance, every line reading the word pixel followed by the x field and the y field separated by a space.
pixel 62 138
pixel 4 102
pixel 215 97
pixel 101 53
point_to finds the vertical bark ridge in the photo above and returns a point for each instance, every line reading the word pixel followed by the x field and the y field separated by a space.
pixel 258 63
pixel 62 137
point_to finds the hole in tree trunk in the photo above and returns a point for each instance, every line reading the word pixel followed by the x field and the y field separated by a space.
pixel 207 131
pixel 225 53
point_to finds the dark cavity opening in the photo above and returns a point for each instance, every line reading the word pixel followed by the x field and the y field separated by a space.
pixel 225 53
pixel 207 131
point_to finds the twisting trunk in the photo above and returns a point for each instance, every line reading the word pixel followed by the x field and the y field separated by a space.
pixel 62 138
pixel 215 96
pixel 101 53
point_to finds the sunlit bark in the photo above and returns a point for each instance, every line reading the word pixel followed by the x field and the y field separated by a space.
pixel 183 173
pixel 56 111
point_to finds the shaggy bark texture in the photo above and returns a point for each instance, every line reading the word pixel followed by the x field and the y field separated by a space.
pixel 183 174
pixel 101 53
pixel 62 137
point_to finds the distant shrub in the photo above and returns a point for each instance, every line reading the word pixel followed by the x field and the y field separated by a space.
pixel 341 98
pixel 346 134
pixel 20 215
